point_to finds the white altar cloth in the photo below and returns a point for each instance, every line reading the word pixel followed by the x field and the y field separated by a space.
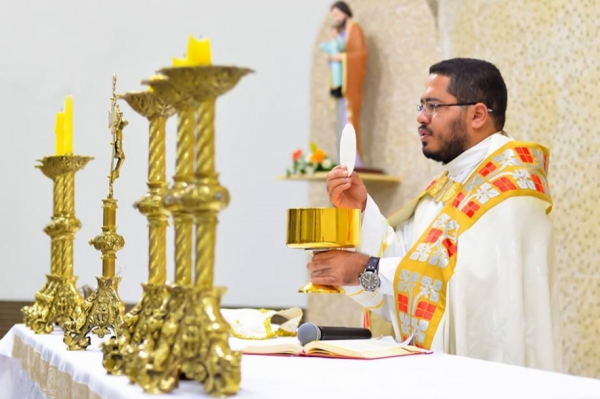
pixel 45 369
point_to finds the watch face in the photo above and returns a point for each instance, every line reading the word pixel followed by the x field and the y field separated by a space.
pixel 369 281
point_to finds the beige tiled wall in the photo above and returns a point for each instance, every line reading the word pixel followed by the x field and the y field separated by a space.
pixel 549 54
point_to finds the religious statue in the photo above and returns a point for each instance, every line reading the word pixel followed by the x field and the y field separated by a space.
pixel 348 64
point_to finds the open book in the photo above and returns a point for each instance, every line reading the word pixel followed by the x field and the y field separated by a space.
pixel 350 349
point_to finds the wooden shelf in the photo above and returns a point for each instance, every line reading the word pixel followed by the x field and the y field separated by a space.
pixel 320 176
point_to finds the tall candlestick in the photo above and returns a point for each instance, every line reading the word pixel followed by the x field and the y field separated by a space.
pixel 68 115
pixel 58 301
pixel 135 327
pixel 193 338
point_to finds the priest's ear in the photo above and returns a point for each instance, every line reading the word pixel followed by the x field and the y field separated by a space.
pixel 481 117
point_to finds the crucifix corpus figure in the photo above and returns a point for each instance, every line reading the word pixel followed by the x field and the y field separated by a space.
pixel 116 124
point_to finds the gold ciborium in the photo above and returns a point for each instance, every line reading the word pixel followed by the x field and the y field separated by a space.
pixel 323 229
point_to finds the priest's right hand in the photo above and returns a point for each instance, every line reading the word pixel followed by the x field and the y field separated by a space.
pixel 337 267
pixel 346 191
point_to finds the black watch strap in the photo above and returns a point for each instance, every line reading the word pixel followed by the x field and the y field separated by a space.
pixel 373 265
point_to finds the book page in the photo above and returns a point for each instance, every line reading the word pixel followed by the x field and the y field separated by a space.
pixel 361 348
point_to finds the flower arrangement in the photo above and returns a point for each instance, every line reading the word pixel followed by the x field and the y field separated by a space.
pixel 315 161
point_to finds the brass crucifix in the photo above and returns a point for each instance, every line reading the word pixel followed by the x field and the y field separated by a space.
pixel 116 124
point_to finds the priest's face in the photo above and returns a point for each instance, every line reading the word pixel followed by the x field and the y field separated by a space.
pixel 443 129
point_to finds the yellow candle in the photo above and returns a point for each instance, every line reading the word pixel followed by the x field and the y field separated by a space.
pixel 59 131
pixel 68 115
pixel 198 51
pixel 179 62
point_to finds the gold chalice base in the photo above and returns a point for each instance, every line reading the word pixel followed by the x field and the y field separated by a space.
pixel 311 288
pixel 323 229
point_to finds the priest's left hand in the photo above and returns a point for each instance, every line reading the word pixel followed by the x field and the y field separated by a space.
pixel 337 267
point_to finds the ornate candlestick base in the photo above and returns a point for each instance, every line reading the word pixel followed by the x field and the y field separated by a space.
pixel 223 365
pixel 153 365
pixel 102 312
pixel 99 314
pixel 135 328
pixel 192 341
pixel 31 314
pixel 56 303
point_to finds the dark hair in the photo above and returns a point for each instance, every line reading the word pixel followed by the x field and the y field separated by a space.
pixel 343 7
pixel 473 80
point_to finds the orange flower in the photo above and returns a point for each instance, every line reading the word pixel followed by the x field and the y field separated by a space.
pixel 296 155
pixel 318 156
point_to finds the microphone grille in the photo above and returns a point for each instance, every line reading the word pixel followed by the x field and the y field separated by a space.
pixel 308 332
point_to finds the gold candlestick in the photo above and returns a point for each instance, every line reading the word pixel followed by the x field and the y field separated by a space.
pixel 102 312
pixel 183 220
pixel 207 197
pixel 135 325
pixel 57 300
pixel 192 336
pixel 211 196
pixel 158 374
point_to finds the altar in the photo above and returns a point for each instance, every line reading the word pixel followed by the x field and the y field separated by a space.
pixel 39 366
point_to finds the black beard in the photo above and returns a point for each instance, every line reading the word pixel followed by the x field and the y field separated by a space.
pixel 452 147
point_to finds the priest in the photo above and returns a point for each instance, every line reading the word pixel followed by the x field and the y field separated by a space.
pixel 468 267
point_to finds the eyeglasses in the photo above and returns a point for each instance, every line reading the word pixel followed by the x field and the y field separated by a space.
pixel 430 108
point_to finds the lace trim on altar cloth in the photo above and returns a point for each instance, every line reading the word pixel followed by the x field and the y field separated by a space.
pixel 54 382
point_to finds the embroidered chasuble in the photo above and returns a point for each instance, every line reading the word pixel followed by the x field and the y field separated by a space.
pixel 468 266
pixel 516 169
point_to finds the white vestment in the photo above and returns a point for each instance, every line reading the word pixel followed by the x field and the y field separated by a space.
pixel 502 300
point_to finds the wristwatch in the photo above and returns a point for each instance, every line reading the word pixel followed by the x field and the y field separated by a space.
pixel 369 279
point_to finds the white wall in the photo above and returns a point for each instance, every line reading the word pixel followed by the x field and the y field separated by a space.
pixel 50 49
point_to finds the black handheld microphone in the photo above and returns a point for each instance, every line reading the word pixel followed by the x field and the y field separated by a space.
pixel 309 332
